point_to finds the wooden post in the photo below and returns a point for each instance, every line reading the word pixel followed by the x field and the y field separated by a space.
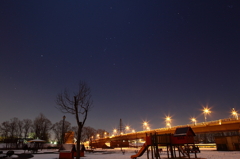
pixel 167 152
pixel 157 153
pixel 195 151
pixel 171 150
pixel 152 143
pixel 179 153
pixel 147 153
pixel 156 145
pixel 174 151
pixel 152 152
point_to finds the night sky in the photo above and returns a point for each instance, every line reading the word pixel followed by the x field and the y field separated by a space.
pixel 143 59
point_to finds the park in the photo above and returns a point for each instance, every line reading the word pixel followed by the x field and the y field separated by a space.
pixel 174 142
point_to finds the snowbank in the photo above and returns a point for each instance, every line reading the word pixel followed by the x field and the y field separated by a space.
pixel 116 153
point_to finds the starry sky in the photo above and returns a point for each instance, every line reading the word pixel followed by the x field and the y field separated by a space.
pixel 143 59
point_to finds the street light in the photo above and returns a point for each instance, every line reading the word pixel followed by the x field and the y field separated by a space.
pixel 114 131
pixel 127 128
pixel 206 111
pixel 168 125
pixel 234 113
pixel 194 121
pixel 145 125
pixel 168 118
pixel 63 135
pixel 168 121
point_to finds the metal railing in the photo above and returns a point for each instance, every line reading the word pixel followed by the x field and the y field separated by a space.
pixel 215 122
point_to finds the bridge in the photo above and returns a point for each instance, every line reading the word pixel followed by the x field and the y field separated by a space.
pixel 222 125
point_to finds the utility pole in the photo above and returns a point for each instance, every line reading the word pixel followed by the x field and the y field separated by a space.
pixel 63 133
pixel 121 127
pixel 121 130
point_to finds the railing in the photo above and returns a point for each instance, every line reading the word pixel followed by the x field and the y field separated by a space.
pixel 217 122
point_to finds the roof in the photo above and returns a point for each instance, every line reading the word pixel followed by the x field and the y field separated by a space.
pixel 184 131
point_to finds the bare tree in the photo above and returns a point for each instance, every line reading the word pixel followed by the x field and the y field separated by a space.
pixel 87 133
pixel 101 132
pixel 78 105
pixel 27 124
pixel 13 125
pixel 5 129
pixel 41 127
pixel 57 129
pixel 20 128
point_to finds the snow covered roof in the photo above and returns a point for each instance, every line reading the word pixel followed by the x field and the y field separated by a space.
pixel 184 131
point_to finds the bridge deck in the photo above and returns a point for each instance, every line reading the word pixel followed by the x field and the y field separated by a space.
pixel 222 125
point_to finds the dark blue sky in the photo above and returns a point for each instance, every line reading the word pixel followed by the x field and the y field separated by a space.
pixel 142 59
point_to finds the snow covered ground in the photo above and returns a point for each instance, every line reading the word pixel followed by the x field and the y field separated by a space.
pixel 117 154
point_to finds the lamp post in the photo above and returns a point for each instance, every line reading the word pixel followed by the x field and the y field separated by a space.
pixel 234 114
pixel 127 128
pixel 168 125
pixel 168 121
pixel 114 131
pixel 145 125
pixel 92 139
pixel 63 135
pixel 206 111
pixel 194 121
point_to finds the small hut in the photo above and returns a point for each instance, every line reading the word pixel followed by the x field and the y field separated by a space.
pixel 184 135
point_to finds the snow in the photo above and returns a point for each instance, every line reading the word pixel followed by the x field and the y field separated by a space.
pixel 116 153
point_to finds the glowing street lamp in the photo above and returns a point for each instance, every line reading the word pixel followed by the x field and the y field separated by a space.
pixel 98 136
pixel 145 125
pixel 168 118
pixel 133 131
pixel 234 113
pixel 114 131
pixel 194 121
pixel 168 125
pixel 168 121
pixel 90 139
pixel 127 128
pixel 206 111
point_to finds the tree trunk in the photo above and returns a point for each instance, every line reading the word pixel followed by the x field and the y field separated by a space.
pixel 79 140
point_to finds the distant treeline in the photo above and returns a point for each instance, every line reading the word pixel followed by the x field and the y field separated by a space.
pixel 42 128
